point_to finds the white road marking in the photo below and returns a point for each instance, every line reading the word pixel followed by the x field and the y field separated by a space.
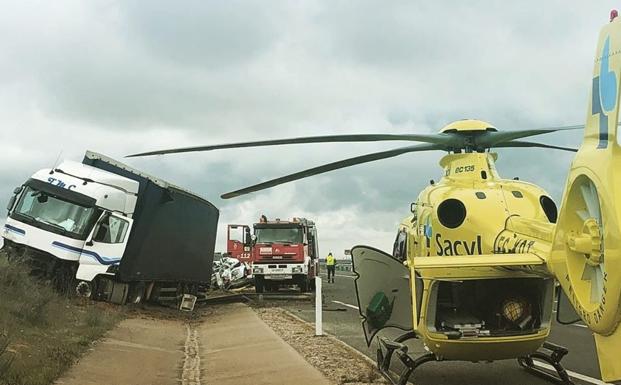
pixel 578 376
pixel 346 304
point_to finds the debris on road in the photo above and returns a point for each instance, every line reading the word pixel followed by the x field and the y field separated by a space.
pixel 230 273
pixel 266 298
pixel 222 296
pixel 341 363
pixel 333 309
pixel 187 302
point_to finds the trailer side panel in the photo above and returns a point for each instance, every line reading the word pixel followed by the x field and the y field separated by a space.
pixel 174 232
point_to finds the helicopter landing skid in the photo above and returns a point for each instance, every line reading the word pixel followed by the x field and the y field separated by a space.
pixel 551 354
pixel 386 350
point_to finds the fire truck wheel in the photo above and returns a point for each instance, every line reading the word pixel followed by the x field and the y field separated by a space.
pixel 259 284
pixel 271 286
pixel 303 285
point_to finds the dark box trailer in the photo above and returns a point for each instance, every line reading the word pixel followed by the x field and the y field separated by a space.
pixel 174 232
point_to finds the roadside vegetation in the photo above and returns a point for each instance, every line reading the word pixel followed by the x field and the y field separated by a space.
pixel 41 332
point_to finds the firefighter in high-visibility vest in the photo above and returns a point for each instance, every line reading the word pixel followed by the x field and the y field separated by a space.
pixel 330 264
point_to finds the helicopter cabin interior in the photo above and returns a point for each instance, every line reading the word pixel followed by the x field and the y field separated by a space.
pixel 490 307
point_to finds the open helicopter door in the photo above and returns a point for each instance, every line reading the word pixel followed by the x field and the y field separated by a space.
pixel 586 254
pixel 382 289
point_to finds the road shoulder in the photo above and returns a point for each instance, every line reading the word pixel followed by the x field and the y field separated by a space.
pixel 240 348
pixel 337 361
pixel 138 351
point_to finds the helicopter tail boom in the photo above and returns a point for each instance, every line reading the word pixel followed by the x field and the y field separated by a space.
pixel 586 248
pixel 608 354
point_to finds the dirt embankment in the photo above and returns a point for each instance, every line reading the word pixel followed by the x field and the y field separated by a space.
pixel 41 332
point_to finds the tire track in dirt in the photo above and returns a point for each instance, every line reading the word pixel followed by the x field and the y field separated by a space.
pixel 191 373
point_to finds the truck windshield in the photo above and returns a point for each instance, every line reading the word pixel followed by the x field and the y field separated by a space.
pixel 279 235
pixel 41 209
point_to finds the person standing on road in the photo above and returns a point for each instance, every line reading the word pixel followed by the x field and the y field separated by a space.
pixel 330 264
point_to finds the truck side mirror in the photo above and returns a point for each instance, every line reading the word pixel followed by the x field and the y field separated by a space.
pixel 89 240
pixel 17 190
pixel 253 239
pixel 247 237
pixel 100 230
pixel 11 203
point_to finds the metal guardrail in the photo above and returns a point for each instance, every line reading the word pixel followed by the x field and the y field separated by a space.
pixel 342 266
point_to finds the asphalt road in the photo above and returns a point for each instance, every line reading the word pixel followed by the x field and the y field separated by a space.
pixel 341 319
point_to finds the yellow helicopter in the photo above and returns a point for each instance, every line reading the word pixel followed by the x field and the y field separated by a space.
pixel 475 265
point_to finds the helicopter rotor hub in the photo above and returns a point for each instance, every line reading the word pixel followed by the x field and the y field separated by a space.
pixel 588 242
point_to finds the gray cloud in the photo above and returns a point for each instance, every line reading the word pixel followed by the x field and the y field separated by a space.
pixel 205 35
pixel 121 77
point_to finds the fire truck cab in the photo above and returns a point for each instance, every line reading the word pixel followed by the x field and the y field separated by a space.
pixel 281 252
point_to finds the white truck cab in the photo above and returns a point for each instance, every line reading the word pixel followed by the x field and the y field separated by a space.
pixel 111 232
pixel 56 210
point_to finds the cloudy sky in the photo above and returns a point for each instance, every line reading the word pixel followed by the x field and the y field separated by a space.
pixel 120 77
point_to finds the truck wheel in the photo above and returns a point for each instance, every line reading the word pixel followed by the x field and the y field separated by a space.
pixel 85 289
pixel 119 293
pixel 259 284
pixel 274 286
pixel 303 285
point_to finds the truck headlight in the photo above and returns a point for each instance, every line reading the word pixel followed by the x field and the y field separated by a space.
pixel 296 269
pixel 257 270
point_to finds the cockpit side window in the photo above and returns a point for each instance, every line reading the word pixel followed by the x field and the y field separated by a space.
pixel 399 247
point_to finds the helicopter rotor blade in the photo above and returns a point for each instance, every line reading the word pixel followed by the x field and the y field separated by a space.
pixel 490 139
pixel 597 288
pixel 590 197
pixel 583 214
pixel 520 143
pixel 333 166
pixel 427 138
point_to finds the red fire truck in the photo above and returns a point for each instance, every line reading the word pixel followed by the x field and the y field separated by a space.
pixel 281 252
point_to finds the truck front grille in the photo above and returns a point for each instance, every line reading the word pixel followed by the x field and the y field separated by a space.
pixel 276 257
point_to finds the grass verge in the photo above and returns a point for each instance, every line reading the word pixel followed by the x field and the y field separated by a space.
pixel 41 332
